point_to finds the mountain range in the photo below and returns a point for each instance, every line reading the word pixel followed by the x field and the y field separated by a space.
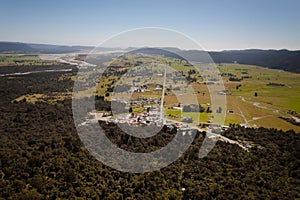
pixel 277 59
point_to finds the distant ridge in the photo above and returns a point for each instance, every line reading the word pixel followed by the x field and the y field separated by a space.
pixel 15 47
pixel 276 59
pixel 19 47
pixel 158 51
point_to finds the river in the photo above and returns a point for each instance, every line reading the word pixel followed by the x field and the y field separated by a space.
pixel 34 72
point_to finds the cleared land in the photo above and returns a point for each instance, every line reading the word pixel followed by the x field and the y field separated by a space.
pixel 256 96
pixel 277 95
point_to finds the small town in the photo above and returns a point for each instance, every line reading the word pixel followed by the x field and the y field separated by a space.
pixel 153 115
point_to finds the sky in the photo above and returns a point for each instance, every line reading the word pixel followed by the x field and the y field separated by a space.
pixel 214 24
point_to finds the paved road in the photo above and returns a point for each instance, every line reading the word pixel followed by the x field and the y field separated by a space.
pixel 162 115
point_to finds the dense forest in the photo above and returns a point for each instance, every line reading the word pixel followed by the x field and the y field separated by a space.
pixel 275 59
pixel 42 156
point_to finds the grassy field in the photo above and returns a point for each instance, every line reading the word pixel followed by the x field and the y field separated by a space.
pixel 272 100
pixel 22 60
pixel 33 98
pixel 278 92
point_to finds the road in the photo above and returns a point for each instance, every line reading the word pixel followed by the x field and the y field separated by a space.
pixel 162 115
pixel 243 116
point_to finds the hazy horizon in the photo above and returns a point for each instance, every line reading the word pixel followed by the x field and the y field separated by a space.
pixel 73 45
pixel 216 25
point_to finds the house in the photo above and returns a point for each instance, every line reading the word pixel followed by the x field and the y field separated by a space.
pixel 177 125
pixel 176 108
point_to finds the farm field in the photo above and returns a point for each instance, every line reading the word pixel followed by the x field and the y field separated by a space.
pixel 278 95
pixel 256 96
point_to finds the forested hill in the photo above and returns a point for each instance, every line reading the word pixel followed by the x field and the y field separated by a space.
pixel 276 59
